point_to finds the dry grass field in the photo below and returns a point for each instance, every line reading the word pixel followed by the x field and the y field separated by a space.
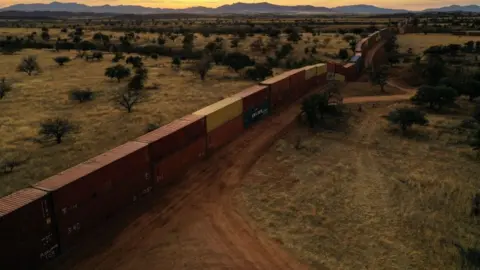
pixel 102 125
pixel 421 42
pixel 361 196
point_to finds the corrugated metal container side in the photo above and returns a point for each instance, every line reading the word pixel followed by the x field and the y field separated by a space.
pixel 321 69
pixel 173 167
pixel 298 85
pixel 322 80
pixel 27 230
pixel 256 104
pixel 331 67
pixel 350 72
pixel 221 112
pixel 224 134
pixel 173 136
pixel 90 192
pixel 279 90
pixel 310 72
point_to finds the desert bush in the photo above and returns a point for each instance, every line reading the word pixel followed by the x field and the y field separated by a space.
pixel 29 65
pixel 56 128
pixel 259 72
pixel 61 60
pixel 118 72
pixel 406 117
pixel 81 95
pixel 5 87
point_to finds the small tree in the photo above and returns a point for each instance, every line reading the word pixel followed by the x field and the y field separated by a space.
pixel 379 77
pixel 118 72
pixel 353 45
pixel 136 61
pixel 294 37
pixel 5 87
pixel 203 66
pixel 259 72
pixel 435 96
pixel 81 95
pixel 61 60
pixel 56 128
pixel 314 106
pixel 118 56
pixel 237 61
pixel 343 54
pixel 128 98
pixel 475 143
pixel 406 117
pixel 28 65
pixel 176 62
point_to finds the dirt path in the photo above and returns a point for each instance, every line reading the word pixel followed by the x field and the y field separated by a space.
pixel 196 225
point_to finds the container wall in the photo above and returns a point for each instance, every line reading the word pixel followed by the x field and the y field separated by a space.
pixel 256 104
pixel 350 72
pixel 221 112
pixel 87 194
pixel 298 85
pixel 173 167
pixel 173 136
pixel 224 134
pixel 339 77
pixel 280 94
pixel 321 69
pixel 27 230
pixel 331 67
pixel 310 72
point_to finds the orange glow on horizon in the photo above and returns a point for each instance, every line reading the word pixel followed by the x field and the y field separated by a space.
pixel 400 4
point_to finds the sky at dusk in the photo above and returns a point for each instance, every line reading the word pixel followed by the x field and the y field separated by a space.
pixel 400 4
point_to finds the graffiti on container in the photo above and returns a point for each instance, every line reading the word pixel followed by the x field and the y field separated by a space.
pixel 47 240
pixel 330 76
pixel 146 191
pixel 74 228
pixel 45 209
pixel 65 210
pixel 50 253
pixel 259 113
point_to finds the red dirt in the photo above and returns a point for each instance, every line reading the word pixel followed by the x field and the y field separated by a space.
pixel 196 225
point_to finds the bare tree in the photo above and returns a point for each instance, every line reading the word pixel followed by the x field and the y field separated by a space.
pixel 56 128
pixel 128 98
pixel 28 65
pixel 203 66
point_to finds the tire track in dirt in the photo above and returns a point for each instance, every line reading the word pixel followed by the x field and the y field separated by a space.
pixel 195 224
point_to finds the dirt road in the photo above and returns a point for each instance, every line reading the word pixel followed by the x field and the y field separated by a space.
pixel 196 225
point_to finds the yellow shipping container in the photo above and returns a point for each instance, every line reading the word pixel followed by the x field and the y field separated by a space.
pixel 339 77
pixel 221 112
pixel 321 69
pixel 310 72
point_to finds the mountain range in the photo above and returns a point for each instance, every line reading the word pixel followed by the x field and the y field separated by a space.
pixel 236 8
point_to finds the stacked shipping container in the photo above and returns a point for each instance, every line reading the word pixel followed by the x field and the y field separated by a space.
pixel 85 195
pixel 223 120
pixel 37 223
pixel 27 229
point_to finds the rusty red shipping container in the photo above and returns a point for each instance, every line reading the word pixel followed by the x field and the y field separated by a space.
pixel 84 195
pixel 27 230
pixel 331 67
pixel 279 90
pixel 298 85
pixel 224 134
pixel 173 136
pixel 350 72
pixel 321 80
pixel 174 166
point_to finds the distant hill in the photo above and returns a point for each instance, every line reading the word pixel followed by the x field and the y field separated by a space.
pixel 454 8
pixel 236 8
pixel 367 9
